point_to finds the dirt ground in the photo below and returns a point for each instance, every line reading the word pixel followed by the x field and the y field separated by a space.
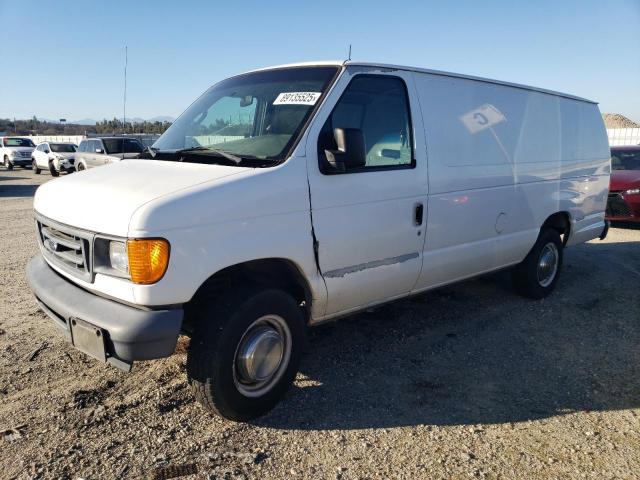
pixel 469 381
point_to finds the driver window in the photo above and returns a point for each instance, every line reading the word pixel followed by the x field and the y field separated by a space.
pixel 378 106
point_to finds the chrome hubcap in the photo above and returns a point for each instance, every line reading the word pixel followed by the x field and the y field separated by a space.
pixel 262 355
pixel 547 264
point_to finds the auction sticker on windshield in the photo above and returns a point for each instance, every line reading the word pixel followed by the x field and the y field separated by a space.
pixel 297 98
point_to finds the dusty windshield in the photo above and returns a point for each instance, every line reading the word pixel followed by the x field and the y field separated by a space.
pixel 257 115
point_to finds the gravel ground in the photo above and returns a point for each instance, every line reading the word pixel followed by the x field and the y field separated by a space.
pixel 466 381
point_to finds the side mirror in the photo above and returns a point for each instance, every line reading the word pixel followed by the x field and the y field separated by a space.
pixel 47 151
pixel 99 150
pixel 351 152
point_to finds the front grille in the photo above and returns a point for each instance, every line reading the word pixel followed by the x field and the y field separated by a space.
pixel 616 206
pixel 66 247
pixel 24 154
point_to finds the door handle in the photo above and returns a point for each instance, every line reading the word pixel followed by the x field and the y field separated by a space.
pixel 418 214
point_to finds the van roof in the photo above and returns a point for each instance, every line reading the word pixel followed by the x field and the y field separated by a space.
pixel 425 70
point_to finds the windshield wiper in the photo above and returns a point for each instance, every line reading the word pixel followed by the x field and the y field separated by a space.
pixel 215 151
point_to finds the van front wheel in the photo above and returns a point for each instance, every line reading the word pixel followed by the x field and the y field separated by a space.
pixel 245 352
pixel 536 276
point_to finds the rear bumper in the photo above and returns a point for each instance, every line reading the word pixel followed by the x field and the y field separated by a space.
pixel 129 333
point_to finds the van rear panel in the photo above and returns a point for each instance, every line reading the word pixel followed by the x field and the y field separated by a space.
pixel 502 159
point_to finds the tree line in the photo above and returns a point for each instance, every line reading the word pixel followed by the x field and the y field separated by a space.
pixel 34 126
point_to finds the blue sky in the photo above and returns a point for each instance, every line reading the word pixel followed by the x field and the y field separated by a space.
pixel 65 58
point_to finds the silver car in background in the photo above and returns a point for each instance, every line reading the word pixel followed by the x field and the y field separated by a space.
pixel 95 152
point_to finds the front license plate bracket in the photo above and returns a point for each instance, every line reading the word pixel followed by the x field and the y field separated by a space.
pixel 88 339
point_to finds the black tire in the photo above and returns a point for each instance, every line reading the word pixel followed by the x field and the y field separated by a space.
pixel 34 167
pixel 52 169
pixel 532 278
pixel 80 167
pixel 219 332
pixel 7 164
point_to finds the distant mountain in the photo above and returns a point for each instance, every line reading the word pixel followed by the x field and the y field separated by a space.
pixel 163 118
pixel 83 121
pixel 91 121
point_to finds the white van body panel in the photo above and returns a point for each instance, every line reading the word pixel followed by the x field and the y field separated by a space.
pixel 502 159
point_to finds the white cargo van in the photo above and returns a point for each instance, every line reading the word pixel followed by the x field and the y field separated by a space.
pixel 293 195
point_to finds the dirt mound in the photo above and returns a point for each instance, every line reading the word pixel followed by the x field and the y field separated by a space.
pixel 615 120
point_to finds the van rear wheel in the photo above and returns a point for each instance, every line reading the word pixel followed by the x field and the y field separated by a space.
pixel 245 352
pixel 536 276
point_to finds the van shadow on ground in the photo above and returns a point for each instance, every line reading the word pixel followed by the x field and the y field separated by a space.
pixel 476 353
pixel 10 189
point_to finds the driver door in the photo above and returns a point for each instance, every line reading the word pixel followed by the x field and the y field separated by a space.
pixel 369 222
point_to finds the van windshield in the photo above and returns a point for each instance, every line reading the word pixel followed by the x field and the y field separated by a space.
pixel 257 115
pixel 62 147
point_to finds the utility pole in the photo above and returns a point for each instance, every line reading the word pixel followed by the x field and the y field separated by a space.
pixel 124 100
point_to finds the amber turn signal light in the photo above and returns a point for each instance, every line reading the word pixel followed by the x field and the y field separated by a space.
pixel 148 259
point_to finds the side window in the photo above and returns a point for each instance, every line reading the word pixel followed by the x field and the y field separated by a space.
pixel 83 146
pixel 377 106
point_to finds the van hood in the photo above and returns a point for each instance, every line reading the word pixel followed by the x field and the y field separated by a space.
pixel 104 199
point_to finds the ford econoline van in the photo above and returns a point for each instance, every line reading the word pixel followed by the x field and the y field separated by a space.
pixel 290 196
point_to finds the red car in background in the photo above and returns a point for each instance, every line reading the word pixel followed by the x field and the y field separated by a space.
pixel 624 188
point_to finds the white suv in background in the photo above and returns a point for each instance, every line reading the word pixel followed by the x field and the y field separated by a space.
pixel 56 157
pixel 16 152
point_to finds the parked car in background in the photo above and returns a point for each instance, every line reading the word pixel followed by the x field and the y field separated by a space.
pixel 95 152
pixel 16 152
pixel 624 190
pixel 54 156
pixel 343 185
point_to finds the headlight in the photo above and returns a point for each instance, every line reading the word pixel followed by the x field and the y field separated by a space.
pixel 118 257
pixel 633 191
pixel 15 153
pixel 143 261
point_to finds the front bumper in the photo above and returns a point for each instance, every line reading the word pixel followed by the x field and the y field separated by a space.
pixel 623 207
pixel 129 333
pixel 20 161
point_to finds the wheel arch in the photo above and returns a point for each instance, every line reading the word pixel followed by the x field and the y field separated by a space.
pixel 281 273
pixel 561 222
